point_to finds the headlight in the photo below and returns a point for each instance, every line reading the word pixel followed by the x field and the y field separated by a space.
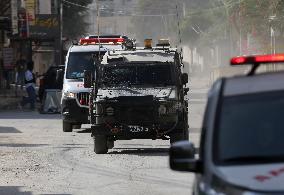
pixel 173 109
pixel 162 110
pixel 69 95
pixel 170 108
pixel 109 111
pixel 176 107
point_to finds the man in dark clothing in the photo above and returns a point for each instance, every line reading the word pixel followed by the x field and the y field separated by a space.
pixel 20 71
pixel 30 81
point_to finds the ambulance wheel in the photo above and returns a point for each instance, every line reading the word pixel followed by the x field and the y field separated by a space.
pixel 100 144
pixel 67 127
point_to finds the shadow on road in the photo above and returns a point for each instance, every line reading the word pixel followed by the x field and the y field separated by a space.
pixel 15 190
pixel 83 131
pixel 12 190
pixel 9 130
pixel 23 145
pixel 27 115
pixel 73 146
pixel 142 151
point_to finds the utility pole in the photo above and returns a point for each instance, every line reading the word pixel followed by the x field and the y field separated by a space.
pixel 98 24
pixel 61 31
pixel 240 40
pixel 30 50
pixel 58 54
pixel 229 26
pixel 272 37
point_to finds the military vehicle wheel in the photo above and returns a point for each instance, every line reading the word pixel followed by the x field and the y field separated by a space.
pixel 110 144
pixel 77 126
pixel 67 127
pixel 100 144
pixel 175 137
pixel 186 134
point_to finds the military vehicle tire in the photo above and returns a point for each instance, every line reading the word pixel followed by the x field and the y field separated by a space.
pixel 175 137
pixel 67 127
pixel 100 144
pixel 110 144
pixel 186 134
pixel 77 126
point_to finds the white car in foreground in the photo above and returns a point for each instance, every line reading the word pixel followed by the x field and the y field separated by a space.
pixel 242 147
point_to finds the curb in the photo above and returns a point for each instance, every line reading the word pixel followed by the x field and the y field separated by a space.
pixel 9 103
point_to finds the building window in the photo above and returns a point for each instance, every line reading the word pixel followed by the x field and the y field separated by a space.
pixel 54 6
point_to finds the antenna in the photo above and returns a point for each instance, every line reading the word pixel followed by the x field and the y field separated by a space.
pixel 98 26
pixel 98 61
pixel 179 34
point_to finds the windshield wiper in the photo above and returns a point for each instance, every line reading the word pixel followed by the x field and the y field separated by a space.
pixel 254 159
pixel 75 78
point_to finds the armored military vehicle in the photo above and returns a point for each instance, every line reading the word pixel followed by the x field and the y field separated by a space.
pixel 139 93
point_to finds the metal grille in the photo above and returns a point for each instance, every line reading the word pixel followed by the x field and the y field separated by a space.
pixel 136 114
pixel 83 98
pixel 137 110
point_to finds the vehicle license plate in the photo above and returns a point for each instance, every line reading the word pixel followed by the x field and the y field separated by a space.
pixel 138 129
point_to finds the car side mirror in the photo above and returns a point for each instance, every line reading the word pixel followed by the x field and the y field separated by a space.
pixel 59 78
pixel 88 78
pixel 59 75
pixel 184 78
pixel 182 157
pixel 186 90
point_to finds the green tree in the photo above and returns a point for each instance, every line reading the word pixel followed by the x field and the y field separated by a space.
pixel 204 23
pixel 74 24
pixel 257 17
pixel 155 19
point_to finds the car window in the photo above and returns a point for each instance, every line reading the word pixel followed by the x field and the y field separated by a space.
pixel 250 129
pixel 78 62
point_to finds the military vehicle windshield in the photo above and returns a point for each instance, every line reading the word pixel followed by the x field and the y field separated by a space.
pixel 137 74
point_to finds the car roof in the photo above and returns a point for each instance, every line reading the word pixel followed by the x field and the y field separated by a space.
pixel 259 83
pixel 142 55
pixel 106 36
pixel 92 48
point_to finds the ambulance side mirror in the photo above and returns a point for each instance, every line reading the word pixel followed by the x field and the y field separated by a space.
pixel 88 78
pixel 59 78
pixel 184 78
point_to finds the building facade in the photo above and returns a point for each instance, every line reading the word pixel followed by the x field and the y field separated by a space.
pixel 28 28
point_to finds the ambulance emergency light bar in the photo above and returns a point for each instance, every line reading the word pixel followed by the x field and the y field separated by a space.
pixel 257 60
pixel 94 41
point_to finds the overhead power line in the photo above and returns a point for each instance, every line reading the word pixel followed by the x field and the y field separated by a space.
pixel 117 12
pixel 228 5
pixel 78 5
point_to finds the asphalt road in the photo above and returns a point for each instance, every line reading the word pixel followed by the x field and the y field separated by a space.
pixel 36 157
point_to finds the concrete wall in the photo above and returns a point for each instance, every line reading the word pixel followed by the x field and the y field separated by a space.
pixel 44 6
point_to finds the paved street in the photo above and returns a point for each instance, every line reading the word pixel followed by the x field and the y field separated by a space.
pixel 38 158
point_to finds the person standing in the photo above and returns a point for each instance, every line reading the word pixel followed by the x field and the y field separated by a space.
pixel 20 71
pixel 30 81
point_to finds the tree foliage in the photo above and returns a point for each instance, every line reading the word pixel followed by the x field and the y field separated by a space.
pixel 257 18
pixel 205 23
pixel 215 20
pixel 74 23
pixel 208 22
pixel 155 19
